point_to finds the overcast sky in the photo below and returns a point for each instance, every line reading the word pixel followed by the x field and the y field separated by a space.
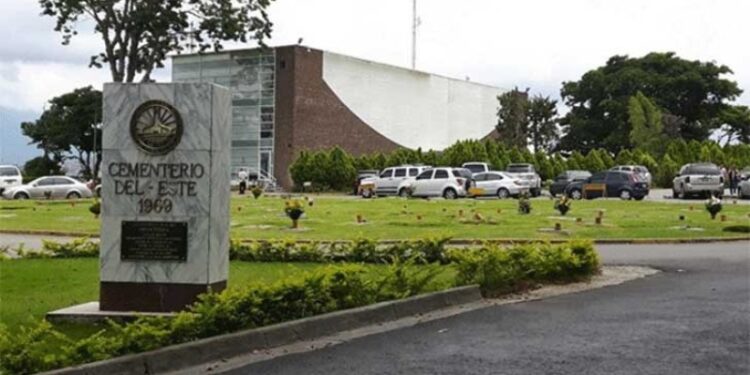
pixel 531 43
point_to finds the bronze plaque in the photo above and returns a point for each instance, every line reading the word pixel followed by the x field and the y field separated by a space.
pixel 156 127
pixel 154 240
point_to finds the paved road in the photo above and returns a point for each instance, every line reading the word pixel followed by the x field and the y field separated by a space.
pixel 693 318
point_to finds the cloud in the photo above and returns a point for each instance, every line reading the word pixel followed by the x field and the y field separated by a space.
pixel 532 43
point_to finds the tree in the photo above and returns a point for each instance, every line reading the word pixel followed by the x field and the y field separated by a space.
pixel 70 129
pixel 645 124
pixel 512 118
pixel 736 124
pixel 598 117
pixel 542 128
pixel 138 35
pixel 42 166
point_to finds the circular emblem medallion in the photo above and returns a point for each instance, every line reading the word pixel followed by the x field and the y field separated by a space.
pixel 156 127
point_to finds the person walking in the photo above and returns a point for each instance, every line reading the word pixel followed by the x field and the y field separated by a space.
pixel 732 179
pixel 242 174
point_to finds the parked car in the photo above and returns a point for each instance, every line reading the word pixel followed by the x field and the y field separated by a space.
pixel 364 174
pixel 498 184
pixel 564 179
pixel 638 169
pixel 626 185
pixel 446 182
pixel 527 174
pixel 476 167
pixel 702 179
pixel 392 181
pixel 743 189
pixel 10 176
pixel 52 186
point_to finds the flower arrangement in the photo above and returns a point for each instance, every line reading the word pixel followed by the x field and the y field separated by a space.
pixel 256 191
pixel 562 205
pixel 524 204
pixel 713 206
pixel 95 208
pixel 294 208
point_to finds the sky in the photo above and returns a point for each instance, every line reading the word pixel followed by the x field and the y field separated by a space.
pixel 533 43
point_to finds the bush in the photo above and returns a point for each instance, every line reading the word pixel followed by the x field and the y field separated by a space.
pixel 499 271
pixel 332 289
pixel 430 250
pixel 78 248
pixel 737 228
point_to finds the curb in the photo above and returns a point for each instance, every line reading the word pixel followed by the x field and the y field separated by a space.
pixel 181 356
pixel 455 242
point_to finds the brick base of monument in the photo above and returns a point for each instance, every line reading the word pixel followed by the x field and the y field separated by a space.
pixel 152 297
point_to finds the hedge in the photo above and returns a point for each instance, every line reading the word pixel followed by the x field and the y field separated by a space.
pixel 497 270
pixel 336 170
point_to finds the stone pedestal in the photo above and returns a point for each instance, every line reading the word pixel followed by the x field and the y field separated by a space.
pixel 165 195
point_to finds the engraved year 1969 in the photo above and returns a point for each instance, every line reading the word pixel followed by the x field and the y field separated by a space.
pixel 158 205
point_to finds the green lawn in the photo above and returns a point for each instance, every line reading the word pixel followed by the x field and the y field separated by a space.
pixel 334 218
pixel 29 288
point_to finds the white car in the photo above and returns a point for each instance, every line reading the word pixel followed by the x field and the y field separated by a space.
pixel 497 184
pixel 698 179
pixel 743 189
pixel 10 176
pixel 391 181
pixel 476 167
pixel 54 187
pixel 446 182
pixel 637 169
pixel 527 174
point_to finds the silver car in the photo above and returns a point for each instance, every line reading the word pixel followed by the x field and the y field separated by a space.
pixel 743 189
pixel 51 187
pixel 638 169
pixel 498 184
pixel 702 179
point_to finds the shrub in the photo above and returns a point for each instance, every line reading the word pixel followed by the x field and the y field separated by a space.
pixel 499 271
pixel 429 250
pixel 737 228
pixel 78 248
pixel 332 289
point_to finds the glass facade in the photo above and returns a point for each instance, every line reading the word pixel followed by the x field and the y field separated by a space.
pixel 251 76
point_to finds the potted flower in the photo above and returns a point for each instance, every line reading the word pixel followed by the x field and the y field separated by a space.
pixel 256 191
pixel 562 204
pixel 524 204
pixel 96 208
pixel 294 208
pixel 713 206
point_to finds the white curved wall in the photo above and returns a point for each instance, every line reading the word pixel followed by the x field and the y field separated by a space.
pixel 414 109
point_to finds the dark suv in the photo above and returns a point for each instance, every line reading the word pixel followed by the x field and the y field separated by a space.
pixel 564 179
pixel 626 185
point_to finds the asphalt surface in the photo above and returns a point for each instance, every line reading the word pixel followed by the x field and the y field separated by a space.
pixel 692 318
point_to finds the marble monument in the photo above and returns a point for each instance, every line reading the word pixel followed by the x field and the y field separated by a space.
pixel 165 195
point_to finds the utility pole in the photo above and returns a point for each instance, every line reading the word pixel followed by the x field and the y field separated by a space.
pixel 414 25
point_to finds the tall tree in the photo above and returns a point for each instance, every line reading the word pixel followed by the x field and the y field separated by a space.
pixel 542 129
pixel 139 34
pixel 512 118
pixel 645 124
pixel 735 122
pixel 70 129
pixel 598 117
